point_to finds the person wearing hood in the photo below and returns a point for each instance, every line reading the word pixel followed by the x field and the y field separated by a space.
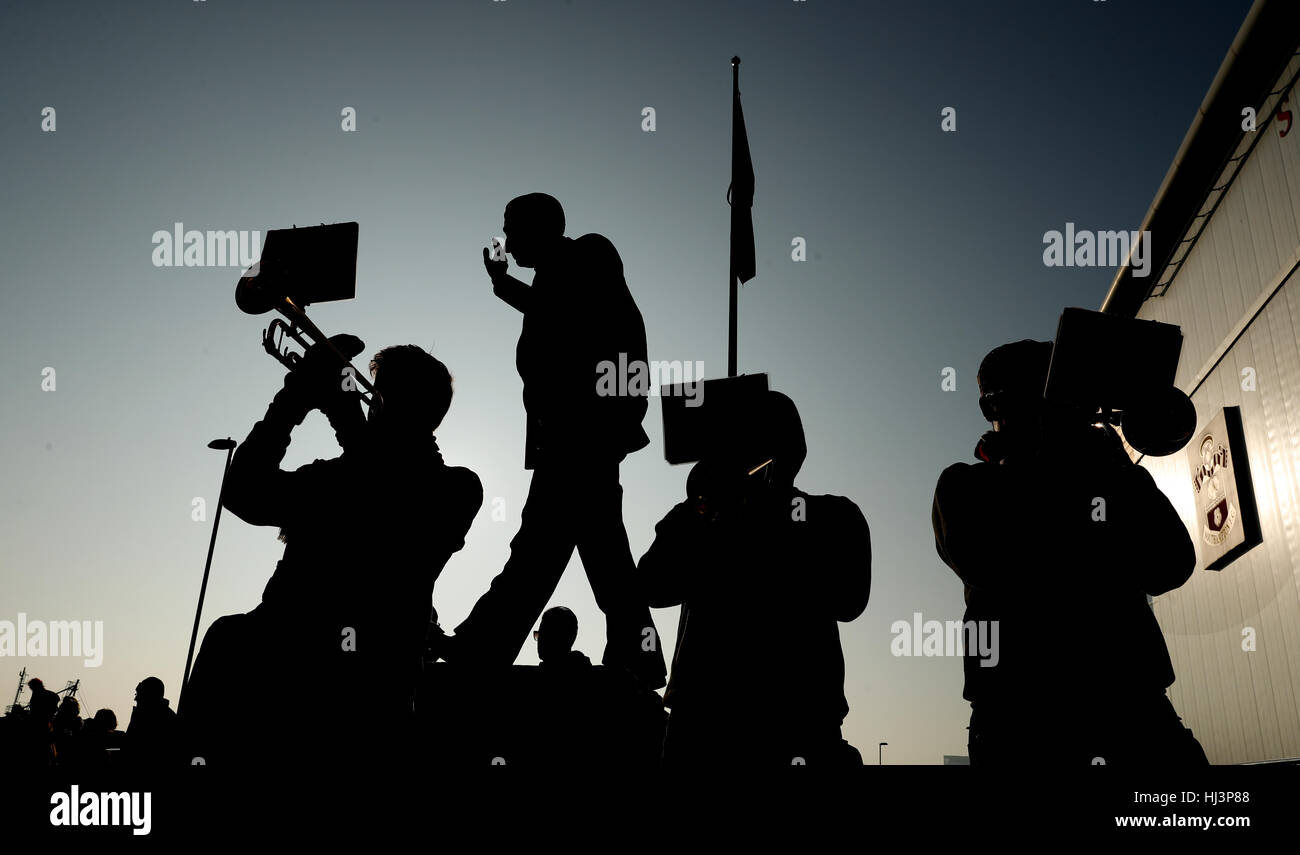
pixel 764 573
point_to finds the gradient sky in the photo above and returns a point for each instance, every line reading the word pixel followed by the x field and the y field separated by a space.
pixel 924 252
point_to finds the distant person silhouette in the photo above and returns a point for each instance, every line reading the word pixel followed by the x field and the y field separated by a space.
pixel 67 732
pixel 38 726
pixel 367 535
pixel 152 737
pixel 43 704
pixel 68 717
pixel 1059 537
pixel 764 572
pixel 590 715
pixel 577 314
pixel 555 638
pixel 100 740
pixel 37 730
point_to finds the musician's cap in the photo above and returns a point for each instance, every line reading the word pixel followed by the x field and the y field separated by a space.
pixel 1020 366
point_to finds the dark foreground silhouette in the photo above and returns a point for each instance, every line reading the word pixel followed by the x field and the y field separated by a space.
pixel 564 713
pixel 1059 538
pixel 367 534
pixel 48 732
pixel 763 572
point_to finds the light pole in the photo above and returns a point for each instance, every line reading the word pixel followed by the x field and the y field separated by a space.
pixel 227 445
pixel 880 753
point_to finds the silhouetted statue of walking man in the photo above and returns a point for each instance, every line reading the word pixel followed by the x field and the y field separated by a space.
pixel 367 535
pixel 578 313
pixel 1059 537
pixel 764 572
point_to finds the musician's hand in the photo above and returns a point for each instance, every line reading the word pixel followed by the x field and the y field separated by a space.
pixel 321 380
pixel 991 448
pixel 495 269
pixel 716 489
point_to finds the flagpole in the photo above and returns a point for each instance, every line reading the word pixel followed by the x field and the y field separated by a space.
pixel 731 264
pixel 731 325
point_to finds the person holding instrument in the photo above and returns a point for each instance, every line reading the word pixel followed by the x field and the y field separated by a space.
pixel 764 572
pixel 367 535
pixel 1059 538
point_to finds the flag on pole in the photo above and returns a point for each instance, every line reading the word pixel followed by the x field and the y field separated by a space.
pixel 741 194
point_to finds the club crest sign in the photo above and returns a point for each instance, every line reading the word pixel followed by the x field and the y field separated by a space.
pixel 1209 482
pixel 1225 499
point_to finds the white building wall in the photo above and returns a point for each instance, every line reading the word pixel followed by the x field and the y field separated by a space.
pixel 1243 706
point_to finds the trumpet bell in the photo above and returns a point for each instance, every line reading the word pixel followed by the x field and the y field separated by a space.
pixel 253 298
pixel 1161 424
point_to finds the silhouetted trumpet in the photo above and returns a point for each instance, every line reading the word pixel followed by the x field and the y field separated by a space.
pixel 301 266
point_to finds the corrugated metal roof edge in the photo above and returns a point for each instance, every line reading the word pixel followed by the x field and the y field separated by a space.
pixel 1258 56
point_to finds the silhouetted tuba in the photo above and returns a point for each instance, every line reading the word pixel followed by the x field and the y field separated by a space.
pixel 1121 370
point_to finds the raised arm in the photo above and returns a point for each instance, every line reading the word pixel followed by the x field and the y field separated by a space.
pixel 505 286
pixel 257 490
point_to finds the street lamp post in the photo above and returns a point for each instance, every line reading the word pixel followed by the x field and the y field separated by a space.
pixel 880 753
pixel 227 445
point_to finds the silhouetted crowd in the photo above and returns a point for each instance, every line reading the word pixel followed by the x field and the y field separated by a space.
pixel 51 732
